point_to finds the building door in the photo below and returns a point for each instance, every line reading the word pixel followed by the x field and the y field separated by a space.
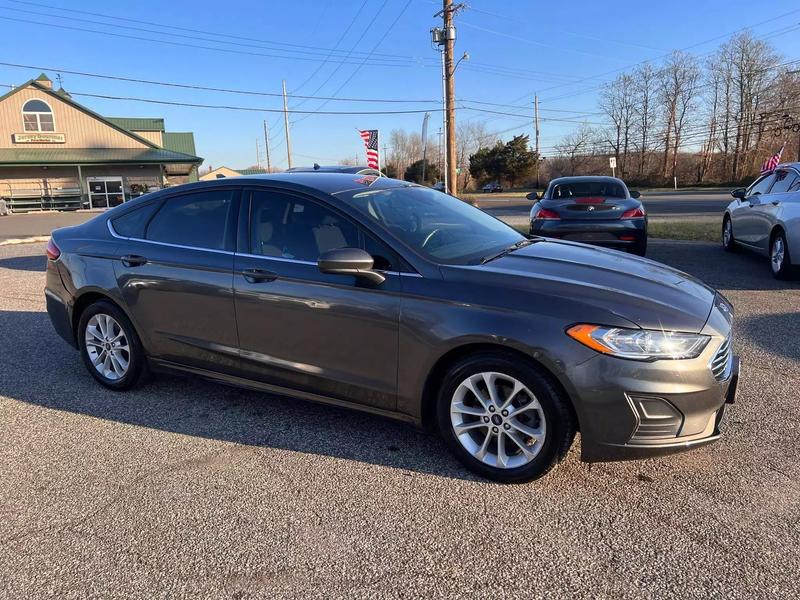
pixel 105 192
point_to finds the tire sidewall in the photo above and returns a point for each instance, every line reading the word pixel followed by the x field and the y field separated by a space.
pixel 731 245
pixel 136 368
pixel 558 427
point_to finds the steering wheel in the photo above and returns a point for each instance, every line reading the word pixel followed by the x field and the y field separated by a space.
pixel 430 236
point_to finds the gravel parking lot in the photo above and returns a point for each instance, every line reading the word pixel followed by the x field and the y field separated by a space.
pixel 189 488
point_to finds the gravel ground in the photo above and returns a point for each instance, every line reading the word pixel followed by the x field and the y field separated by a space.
pixel 184 488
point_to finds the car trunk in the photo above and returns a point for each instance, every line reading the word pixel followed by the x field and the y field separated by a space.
pixel 592 208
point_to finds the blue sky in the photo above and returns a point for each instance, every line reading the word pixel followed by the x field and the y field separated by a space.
pixel 517 48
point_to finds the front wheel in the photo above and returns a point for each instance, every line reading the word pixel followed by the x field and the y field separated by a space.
pixel 503 419
pixel 779 256
pixel 109 346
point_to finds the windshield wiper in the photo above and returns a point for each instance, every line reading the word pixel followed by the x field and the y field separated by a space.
pixel 509 250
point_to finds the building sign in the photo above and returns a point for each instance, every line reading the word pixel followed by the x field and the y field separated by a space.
pixel 39 138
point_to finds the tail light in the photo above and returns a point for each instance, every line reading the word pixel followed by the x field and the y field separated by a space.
pixel 52 251
pixel 545 214
pixel 634 213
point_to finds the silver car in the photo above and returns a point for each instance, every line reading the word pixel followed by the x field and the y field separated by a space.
pixel 765 217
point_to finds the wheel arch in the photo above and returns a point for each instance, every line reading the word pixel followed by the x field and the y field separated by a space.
pixel 454 355
pixel 89 297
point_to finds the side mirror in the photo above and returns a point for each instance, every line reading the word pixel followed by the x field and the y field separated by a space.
pixel 535 196
pixel 739 193
pixel 635 195
pixel 349 261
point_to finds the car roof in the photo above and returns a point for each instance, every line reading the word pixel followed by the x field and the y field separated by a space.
pixel 330 183
pixel 793 165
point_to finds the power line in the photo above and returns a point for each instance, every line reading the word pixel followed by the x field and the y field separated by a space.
pixel 212 89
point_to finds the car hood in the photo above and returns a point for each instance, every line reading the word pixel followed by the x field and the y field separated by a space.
pixel 647 293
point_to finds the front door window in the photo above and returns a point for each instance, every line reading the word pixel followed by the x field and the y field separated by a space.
pixel 105 192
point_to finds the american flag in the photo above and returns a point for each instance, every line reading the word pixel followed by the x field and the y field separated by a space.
pixel 772 162
pixel 370 137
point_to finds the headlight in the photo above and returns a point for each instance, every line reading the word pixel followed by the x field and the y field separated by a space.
pixel 639 344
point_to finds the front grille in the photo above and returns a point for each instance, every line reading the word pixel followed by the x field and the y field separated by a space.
pixel 721 363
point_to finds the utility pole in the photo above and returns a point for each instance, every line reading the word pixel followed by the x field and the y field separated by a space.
pixel 286 127
pixel 439 161
pixel 447 39
pixel 266 146
pixel 258 157
pixel 536 118
pixel 383 158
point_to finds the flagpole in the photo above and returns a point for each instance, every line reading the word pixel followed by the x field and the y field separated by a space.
pixel 378 144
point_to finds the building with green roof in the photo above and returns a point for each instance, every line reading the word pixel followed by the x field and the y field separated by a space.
pixel 57 153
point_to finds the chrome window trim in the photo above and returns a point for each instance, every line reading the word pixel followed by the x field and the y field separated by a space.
pixel 167 244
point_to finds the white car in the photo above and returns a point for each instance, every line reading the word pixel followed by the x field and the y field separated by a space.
pixel 765 217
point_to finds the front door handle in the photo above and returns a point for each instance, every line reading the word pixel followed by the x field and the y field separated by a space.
pixel 133 260
pixel 259 275
pixel 776 202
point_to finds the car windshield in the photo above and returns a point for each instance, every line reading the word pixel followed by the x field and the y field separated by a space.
pixel 583 189
pixel 439 227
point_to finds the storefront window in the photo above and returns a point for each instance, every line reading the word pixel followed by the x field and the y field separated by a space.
pixel 37 116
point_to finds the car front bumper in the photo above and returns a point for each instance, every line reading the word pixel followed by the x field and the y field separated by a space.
pixel 602 232
pixel 631 409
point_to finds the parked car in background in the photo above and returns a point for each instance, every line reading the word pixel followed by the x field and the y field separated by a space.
pixel 390 297
pixel 765 217
pixel 439 186
pixel 593 210
pixel 491 188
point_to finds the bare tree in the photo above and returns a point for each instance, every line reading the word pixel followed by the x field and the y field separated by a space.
pixel 471 136
pixel 577 148
pixel 678 87
pixel 645 82
pixel 617 102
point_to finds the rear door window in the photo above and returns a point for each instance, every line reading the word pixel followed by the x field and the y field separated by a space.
pixel 784 180
pixel 198 220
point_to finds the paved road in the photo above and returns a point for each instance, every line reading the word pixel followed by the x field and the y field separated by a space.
pixel 658 204
pixel 184 488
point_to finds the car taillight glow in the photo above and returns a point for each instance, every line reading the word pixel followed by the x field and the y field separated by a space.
pixel 52 251
pixel 590 200
pixel 634 213
pixel 545 214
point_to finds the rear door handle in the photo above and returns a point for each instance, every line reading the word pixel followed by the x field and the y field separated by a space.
pixel 259 275
pixel 133 260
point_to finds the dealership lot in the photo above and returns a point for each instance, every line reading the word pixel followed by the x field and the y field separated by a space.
pixel 193 488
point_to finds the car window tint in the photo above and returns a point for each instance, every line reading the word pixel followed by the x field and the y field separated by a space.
pixel 761 186
pixel 132 224
pixel 289 227
pixel 582 189
pixel 783 181
pixel 795 186
pixel 199 220
pixel 385 259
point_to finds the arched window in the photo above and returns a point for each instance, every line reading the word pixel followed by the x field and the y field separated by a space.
pixel 37 116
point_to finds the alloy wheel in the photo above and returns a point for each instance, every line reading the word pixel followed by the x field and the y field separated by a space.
pixel 107 346
pixel 498 420
pixel 777 255
pixel 727 233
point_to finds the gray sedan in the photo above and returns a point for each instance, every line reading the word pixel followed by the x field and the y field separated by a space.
pixel 388 297
pixel 765 217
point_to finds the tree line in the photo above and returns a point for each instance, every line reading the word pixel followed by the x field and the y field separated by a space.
pixel 704 121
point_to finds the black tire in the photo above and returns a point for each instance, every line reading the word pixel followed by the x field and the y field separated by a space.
pixel 137 367
pixel 560 425
pixel 785 270
pixel 728 242
pixel 640 247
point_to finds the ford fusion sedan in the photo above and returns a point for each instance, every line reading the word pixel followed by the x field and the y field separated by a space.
pixel 765 217
pixel 371 293
pixel 593 210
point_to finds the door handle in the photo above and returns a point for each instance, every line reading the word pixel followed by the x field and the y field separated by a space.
pixel 776 202
pixel 133 260
pixel 259 275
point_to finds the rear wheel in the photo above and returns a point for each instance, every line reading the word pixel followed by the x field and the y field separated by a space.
pixel 503 419
pixel 640 247
pixel 728 243
pixel 779 256
pixel 109 346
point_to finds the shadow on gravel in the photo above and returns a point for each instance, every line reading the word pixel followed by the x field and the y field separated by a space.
pixel 39 368
pixel 760 329
pixel 708 262
pixel 37 262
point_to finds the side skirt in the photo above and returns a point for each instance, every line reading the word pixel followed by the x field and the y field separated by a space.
pixel 164 366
